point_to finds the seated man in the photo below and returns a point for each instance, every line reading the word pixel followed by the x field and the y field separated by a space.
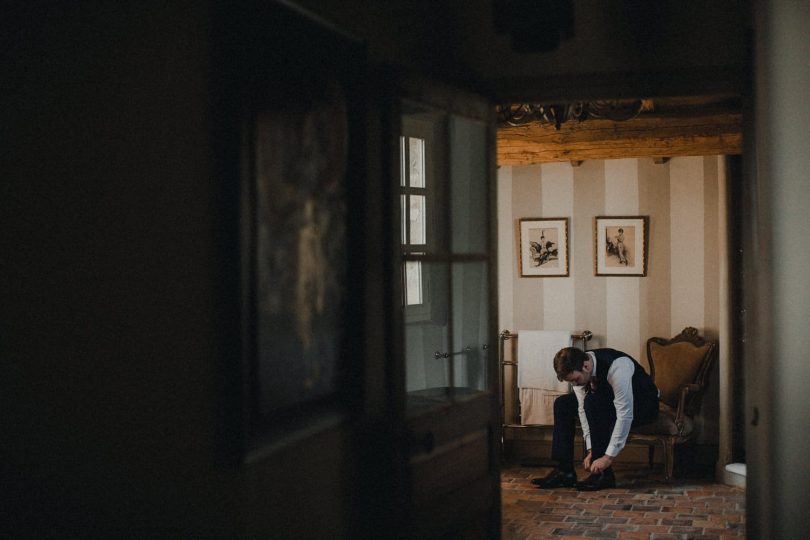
pixel 611 393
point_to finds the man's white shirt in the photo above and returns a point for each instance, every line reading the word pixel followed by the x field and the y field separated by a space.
pixel 620 378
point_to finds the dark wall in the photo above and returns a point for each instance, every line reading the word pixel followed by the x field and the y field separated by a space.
pixel 602 36
pixel 608 48
pixel 110 285
pixel 119 297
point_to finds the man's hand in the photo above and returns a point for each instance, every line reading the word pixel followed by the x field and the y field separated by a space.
pixel 601 464
pixel 587 461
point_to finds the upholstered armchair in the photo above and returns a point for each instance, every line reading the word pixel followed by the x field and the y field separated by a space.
pixel 679 367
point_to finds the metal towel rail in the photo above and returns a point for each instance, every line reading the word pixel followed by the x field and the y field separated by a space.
pixel 505 335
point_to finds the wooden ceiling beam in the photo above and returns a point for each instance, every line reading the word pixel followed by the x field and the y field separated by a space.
pixel 656 136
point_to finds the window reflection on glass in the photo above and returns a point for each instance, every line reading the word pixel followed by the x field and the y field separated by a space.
pixel 418 204
pixel 414 208
pixel 416 148
pixel 403 171
pixel 403 207
pixel 413 282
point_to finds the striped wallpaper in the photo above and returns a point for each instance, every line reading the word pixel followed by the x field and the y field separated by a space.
pixel 682 286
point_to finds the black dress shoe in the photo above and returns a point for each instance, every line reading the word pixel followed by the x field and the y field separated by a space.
pixel 597 481
pixel 555 479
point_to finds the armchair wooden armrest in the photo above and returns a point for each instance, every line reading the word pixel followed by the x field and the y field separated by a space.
pixel 681 410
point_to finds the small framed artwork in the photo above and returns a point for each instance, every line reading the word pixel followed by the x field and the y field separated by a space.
pixel 620 245
pixel 543 247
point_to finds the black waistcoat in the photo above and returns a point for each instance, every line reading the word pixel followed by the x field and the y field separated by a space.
pixel 645 394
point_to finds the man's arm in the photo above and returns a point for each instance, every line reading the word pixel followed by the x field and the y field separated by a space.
pixel 620 378
pixel 579 391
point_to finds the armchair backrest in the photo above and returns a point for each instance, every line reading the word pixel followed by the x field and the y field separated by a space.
pixel 679 362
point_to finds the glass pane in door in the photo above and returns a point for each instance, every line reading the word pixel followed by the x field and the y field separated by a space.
pixel 470 326
pixel 427 338
pixel 468 185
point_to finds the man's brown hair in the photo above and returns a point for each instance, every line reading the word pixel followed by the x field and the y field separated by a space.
pixel 568 360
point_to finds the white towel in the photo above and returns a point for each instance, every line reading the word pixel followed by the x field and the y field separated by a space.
pixel 536 350
pixel 537 406
pixel 538 386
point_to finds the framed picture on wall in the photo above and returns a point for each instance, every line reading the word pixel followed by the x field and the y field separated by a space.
pixel 620 245
pixel 296 216
pixel 543 247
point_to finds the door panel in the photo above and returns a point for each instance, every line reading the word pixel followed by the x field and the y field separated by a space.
pixel 446 174
pixel 474 501
pixel 438 473
pixel 451 478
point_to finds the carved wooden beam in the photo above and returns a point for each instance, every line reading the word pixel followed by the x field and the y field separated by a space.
pixel 657 136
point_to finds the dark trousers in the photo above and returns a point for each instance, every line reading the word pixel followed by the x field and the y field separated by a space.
pixel 601 415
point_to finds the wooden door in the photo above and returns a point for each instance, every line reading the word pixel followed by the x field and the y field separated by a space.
pixel 445 294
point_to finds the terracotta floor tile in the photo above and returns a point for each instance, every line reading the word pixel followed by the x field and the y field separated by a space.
pixel 642 506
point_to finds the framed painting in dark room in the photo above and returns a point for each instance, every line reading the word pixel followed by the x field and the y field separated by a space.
pixel 301 124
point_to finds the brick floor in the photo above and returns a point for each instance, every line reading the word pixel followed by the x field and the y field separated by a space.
pixel 642 506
